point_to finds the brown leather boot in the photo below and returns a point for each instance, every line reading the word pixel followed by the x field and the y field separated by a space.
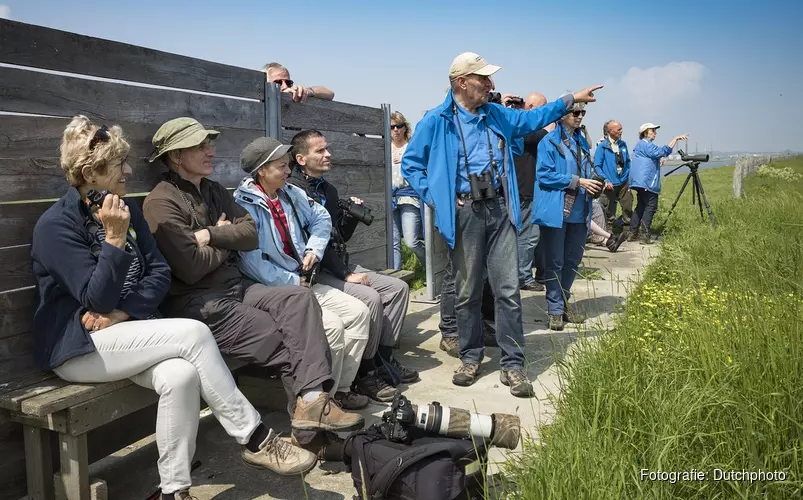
pixel 325 414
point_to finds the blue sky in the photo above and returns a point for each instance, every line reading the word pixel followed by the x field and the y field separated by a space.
pixel 727 73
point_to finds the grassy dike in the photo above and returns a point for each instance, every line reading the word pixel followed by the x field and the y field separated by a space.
pixel 703 371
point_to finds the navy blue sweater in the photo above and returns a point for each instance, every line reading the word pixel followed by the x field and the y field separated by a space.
pixel 71 280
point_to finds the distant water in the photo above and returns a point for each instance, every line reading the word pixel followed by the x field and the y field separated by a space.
pixel 703 166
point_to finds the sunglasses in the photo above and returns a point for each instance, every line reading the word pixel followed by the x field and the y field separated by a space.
pixel 397 127
pixel 101 135
pixel 581 112
pixel 288 83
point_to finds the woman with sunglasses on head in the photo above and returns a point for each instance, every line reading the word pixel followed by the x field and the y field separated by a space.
pixel 645 179
pixel 100 279
pixel 407 213
pixel 564 191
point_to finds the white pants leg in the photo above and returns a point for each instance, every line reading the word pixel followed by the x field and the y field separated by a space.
pixel 179 359
pixel 354 317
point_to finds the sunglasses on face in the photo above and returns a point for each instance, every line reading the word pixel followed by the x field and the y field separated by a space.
pixel 581 112
pixel 288 83
pixel 397 127
pixel 101 135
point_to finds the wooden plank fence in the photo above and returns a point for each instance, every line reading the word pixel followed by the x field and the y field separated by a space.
pixel 139 89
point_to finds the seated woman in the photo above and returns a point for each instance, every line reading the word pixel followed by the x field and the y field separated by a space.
pixel 563 210
pixel 645 180
pixel 100 278
pixel 293 234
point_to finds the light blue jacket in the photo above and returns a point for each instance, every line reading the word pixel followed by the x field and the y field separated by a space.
pixel 645 171
pixel 556 171
pixel 268 264
pixel 605 162
pixel 430 162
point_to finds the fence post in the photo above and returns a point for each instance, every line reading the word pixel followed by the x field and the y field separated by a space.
pixel 273 111
pixel 429 248
pixel 388 186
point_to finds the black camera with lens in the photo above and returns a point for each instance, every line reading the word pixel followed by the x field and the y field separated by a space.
pixel 482 186
pixel 96 197
pixel 601 180
pixel 309 278
pixel 357 211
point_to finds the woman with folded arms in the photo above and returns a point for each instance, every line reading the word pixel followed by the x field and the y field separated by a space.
pixel 100 279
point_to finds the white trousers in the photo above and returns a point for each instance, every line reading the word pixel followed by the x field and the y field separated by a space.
pixel 179 359
pixel 346 321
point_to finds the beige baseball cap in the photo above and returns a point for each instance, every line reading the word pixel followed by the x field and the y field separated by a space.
pixel 469 63
pixel 647 126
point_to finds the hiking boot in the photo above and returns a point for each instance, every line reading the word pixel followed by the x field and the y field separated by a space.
pixel 327 446
pixel 466 374
pixel 518 383
pixel 324 414
pixel 632 237
pixel 375 387
pixel 401 374
pixel 556 322
pixel 572 316
pixel 644 239
pixel 351 400
pixel 279 455
pixel 489 335
pixel 451 345
pixel 179 495
pixel 532 287
pixel 614 242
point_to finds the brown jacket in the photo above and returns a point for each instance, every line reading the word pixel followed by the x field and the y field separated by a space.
pixel 206 272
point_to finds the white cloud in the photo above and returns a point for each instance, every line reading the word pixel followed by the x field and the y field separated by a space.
pixel 659 87
pixel 5 12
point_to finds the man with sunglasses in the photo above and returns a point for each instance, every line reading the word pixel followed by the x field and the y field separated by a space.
pixel 460 162
pixel 276 73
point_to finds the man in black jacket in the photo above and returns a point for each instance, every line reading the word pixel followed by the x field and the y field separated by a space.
pixel 386 297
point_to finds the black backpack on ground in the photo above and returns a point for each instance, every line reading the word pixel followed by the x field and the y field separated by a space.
pixel 430 467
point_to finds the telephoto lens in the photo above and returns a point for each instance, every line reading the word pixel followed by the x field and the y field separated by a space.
pixel 499 429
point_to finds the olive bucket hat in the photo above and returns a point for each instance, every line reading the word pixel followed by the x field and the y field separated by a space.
pixel 179 133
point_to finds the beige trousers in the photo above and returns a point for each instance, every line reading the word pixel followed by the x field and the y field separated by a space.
pixel 346 321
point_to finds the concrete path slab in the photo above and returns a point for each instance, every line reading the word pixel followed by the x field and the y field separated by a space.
pixel 131 473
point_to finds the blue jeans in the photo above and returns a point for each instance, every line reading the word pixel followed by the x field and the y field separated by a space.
pixel 647 205
pixel 527 242
pixel 563 249
pixel 448 323
pixel 485 239
pixel 407 223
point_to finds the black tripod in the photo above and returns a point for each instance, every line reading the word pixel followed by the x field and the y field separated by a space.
pixel 697 193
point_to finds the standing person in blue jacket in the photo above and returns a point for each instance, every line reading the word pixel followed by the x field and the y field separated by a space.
pixel 645 179
pixel 460 162
pixel 612 161
pixel 563 196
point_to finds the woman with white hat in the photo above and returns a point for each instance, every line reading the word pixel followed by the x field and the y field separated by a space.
pixel 645 179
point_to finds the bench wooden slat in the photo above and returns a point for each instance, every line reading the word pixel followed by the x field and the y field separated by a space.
pixel 91 414
pixel 15 267
pixel 48 94
pixel 37 46
pixel 331 115
pixel 16 311
pixel 13 400
pixel 70 395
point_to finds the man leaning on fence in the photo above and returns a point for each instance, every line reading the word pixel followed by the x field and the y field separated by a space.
pixel 460 162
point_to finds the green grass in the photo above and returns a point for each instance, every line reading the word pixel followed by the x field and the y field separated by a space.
pixel 410 263
pixel 704 370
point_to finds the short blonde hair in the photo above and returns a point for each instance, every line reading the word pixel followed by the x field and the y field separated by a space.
pixel 397 116
pixel 75 152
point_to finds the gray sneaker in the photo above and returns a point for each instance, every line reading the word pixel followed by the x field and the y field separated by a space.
pixel 279 455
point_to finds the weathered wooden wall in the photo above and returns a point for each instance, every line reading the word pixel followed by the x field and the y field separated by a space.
pixel 149 88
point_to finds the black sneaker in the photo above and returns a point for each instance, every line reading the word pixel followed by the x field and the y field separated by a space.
pixel 556 322
pixel 451 345
pixel 466 374
pixel 375 387
pixel 614 242
pixel 533 287
pixel 401 374
pixel 518 383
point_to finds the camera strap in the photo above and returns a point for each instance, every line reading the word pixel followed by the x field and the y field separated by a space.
pixel 277 216
pixel 577 156
pixel 465 149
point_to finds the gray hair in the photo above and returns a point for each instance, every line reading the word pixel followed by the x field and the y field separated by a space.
pixel 274 65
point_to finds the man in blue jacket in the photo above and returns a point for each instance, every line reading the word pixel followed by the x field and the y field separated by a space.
pixel 460 162
pixel 612 161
